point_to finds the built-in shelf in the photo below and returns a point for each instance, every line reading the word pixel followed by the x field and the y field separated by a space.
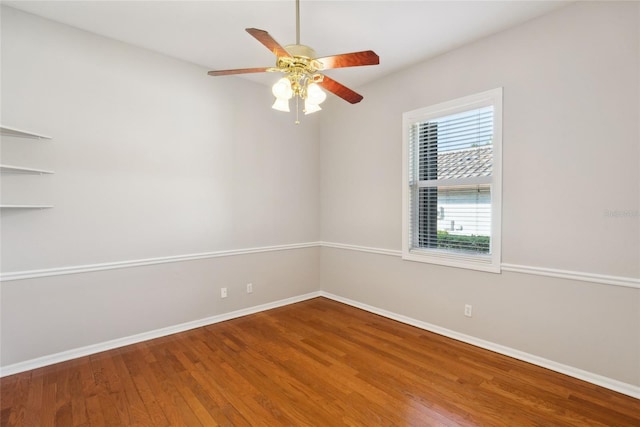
pixel 20 169
pixel 9 131
pixel 26 206
pixel 20 133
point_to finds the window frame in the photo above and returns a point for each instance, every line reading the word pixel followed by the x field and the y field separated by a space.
pixel 483 262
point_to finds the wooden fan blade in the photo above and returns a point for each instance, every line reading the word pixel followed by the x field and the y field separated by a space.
pixel 238 71
pixel 354 59
pixel 266 39
pixel 341 90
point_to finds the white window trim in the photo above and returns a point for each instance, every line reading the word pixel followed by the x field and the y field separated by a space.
pixel 489 263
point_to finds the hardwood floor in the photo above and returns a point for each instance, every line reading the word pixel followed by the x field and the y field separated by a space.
pixel 315 363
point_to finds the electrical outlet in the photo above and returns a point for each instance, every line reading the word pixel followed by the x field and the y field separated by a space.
pixel 223 292
pixel 467 310
pixel 249 288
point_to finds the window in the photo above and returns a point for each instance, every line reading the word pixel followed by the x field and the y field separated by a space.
pixel 452 182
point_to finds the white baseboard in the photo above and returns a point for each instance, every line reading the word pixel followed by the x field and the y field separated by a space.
pixel 145 336
pixel 609 383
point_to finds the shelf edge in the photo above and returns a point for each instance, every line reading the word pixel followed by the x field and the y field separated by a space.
pixel 11 131
pixel 24 170
pixel 26 206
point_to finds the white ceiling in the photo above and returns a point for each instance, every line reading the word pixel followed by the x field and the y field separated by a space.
pixel 211 33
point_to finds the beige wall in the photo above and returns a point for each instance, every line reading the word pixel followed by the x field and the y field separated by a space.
pixel 153 159
pixel 570 154
pixel 52 315
pixel 152 156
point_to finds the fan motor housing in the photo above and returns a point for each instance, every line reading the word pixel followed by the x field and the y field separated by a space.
pixel 302 59
pixel 300 50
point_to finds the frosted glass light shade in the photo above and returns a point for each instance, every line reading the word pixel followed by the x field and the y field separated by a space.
pixel 315 95
pixel 281 104
pixel 310 107
pixel 282 89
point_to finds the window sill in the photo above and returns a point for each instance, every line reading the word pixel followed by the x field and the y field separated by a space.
pixel 486 263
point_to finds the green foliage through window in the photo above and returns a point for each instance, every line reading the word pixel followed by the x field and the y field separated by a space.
pixel 477 244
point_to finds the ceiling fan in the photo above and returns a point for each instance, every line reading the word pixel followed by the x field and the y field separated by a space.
pixel 301 67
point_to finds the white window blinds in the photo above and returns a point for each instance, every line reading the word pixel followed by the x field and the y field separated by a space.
pixel 450 159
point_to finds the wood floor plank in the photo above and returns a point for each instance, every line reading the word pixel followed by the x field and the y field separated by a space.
pixel 145 372
pixel 94 411
pixel 132 404
pixel 17 399
pixel 34 402
pixel 170 383
pixel 48 414
pixel 314 363
pixel 82 383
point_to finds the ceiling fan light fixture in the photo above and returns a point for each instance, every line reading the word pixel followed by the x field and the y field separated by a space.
pixel 282 89
pixel 281 104
pixel 310 108
pixel 315 95
pixel 301 66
